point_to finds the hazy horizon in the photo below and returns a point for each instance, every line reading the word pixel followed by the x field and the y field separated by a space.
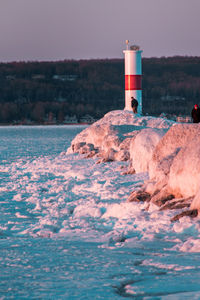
pixel 87 59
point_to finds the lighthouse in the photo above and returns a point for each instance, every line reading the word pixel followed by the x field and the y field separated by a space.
pixel 133 76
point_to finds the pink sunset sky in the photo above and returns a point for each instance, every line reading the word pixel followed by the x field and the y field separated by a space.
pixel 83 29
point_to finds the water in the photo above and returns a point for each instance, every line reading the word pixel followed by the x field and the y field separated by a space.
pixel 66 231
pixel 30 142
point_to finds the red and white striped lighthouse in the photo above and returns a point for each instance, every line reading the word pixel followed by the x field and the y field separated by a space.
pixel 133 76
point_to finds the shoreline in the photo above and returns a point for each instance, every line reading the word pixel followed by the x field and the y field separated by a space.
pixel 64 124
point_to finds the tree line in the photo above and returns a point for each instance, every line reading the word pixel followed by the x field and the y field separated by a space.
pixel 42 91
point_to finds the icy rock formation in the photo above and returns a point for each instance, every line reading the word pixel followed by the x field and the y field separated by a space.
pixel 176 160
pixel 168 151
pixel 196 201
pixel 110 137
pixel 142 147
pixel 174 170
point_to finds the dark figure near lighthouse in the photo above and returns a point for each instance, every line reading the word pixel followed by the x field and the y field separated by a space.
pixel 195 114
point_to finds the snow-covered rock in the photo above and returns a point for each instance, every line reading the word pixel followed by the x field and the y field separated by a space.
pixel 176 160
pixel 124 117
pixel 196 201
pixel 184 176
pixel 112 135
pixel 168 151
pixel 142 147
pixel 174 169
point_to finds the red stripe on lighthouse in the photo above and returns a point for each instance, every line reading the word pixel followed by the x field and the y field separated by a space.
pixel 133 82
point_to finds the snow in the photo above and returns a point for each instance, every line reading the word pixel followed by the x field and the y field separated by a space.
pixel 176 161
pixel 196 201
pixel 110 137
pixel 168 151
pixel 67 222
pixel 142 148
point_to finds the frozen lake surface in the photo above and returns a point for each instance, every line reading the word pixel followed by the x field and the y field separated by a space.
pixel 67 232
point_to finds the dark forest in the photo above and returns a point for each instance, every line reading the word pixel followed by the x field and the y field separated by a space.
pixel 42 92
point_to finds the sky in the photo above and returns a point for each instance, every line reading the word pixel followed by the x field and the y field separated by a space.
pixel 46 30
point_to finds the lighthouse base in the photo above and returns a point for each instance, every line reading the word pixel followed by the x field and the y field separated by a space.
pixel 137 94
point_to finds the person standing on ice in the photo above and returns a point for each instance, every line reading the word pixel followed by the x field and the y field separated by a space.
pixel 196 114
pixel 134 105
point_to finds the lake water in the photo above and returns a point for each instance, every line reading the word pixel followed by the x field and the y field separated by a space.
pixel 67 232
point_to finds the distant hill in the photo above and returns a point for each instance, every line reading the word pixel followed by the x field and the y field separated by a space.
pixel 50 92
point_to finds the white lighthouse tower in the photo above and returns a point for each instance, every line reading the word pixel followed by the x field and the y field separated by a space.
pixel 133 76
